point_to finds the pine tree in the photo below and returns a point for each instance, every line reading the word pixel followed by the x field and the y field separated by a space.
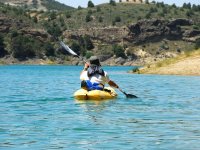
pixel 90 4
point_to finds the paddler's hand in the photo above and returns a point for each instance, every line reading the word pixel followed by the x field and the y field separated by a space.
pixel 86 66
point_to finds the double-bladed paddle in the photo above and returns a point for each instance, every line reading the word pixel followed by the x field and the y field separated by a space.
pixel 128 95
pixel 65 47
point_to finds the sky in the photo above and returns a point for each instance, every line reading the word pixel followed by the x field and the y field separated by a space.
pixel 83 3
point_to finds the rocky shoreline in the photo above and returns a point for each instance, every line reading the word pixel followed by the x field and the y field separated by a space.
pixel 184 66
pixel 142 58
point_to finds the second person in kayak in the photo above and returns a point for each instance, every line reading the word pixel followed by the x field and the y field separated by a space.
pixel 93 77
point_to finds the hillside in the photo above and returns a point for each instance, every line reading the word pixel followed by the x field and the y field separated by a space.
pixel 40 5
pixel 185 64
pixel 127 34
pixel 123 14
pixel 107 25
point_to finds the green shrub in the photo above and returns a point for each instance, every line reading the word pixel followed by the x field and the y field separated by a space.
pixel 4 10
pixel 187 6
pixel 90 3
pixel 14 33
pixel 195 7
pixel 98 9
pixel 139 18
pixel 18 11
pixel 52 15
pixel 88 43
pixel 112 2
pixel 89 12
pixel 161 14
pixel 88 18
pixel 35 19
pixel 148 15
pixel 175 12
pixel 113 23
pixel 164 10
pixel 164 47
pixel 100 19
pixel 189 13
pixel 81 41
pixel 135 69
pixel 196 27
pixel 83 52
pixel 117 19
pixel 62 21
pixel 79 8
pixel 146 1
pixel 160 4
pixel 49 49
pixel 118 51
pixel 174 6
pixel 88 55
pixel 35 3
pixel 153 9
pixel 53 29
pixel 76 47
pixel 24 47
pixel 68 14
pixel 197 44
pixel 2 50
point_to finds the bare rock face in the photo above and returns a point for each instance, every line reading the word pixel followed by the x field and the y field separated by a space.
pixel 108 35
pixel 153 30
pixel 119 61
pixel 104 57
pixel 5 24
pixel 180 21
pixel 156 30
pixel 39 34
pixel 191 35
pixel 8 24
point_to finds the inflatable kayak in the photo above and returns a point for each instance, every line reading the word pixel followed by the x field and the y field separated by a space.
pixel 107 93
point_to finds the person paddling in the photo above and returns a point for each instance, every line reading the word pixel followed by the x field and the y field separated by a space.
pixel 93 77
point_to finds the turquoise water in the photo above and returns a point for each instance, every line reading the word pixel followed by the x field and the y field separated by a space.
pixel 37 111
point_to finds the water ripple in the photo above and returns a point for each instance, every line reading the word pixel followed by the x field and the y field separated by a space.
pixel 37 111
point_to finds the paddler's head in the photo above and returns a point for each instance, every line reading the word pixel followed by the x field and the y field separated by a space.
pixel 94 61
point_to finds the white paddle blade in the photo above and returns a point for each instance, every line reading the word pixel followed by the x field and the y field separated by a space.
pixel 68 49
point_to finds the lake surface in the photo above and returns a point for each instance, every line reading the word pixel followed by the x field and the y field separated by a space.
pixel 37 111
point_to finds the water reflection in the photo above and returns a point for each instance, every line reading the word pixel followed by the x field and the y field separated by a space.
pixel 95 105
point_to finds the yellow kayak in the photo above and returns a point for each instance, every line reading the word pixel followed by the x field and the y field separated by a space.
pixel 108 93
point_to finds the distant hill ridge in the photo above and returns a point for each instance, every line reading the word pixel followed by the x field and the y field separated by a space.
pixel 37 4
pixel 126 33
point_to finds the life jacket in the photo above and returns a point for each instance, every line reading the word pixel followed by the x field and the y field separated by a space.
pixel 93 86
pixel 92 70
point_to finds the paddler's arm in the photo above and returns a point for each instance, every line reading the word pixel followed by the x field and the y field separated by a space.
pixel 86 66
pixel 113 84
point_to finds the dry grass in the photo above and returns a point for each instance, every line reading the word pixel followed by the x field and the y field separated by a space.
pixel 184 64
